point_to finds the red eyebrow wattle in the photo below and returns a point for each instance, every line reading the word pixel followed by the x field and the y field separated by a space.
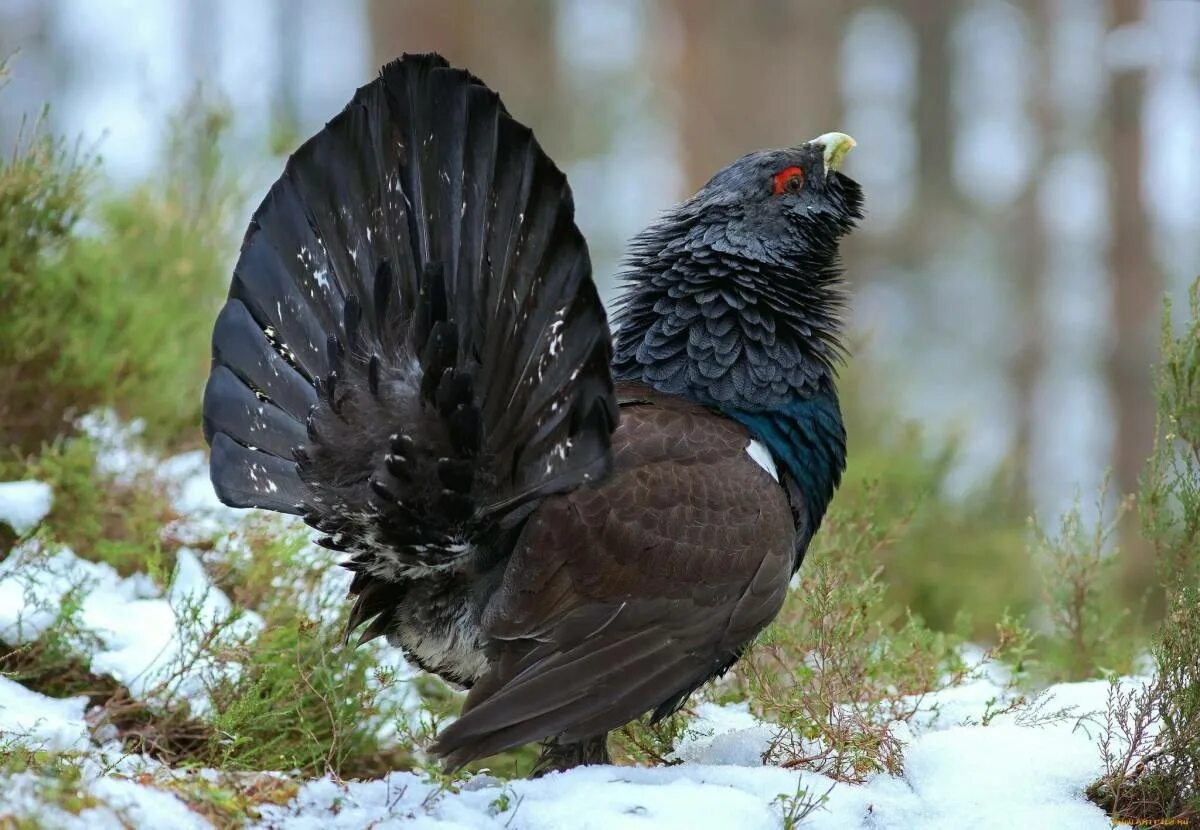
pixel 783 175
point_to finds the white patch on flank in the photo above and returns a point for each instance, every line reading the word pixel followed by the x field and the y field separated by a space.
pixel 762 457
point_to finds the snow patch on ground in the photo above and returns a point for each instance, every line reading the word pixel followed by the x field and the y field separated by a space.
pixel 724 735
pixel 40 722
pixel 999 776
pixel 112 802
pixel 1016 772
pixel 23 504
pixel 128 804
pixel 140 636
pixel 1003 775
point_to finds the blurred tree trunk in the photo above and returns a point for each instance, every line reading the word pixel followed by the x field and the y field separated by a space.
pixel 750 76
pixel 936 208
pixel 202 46
pixel 1137 285
pixel 29 48
pixel 287 17
pixel 1027 260
pixel 510 44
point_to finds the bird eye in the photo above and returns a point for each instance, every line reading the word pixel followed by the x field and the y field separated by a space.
pixel 789 180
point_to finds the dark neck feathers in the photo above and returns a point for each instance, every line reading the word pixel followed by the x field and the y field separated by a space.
pixel 755 336
pixel 727 324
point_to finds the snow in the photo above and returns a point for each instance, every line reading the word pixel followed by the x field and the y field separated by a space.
pixel 42 722
pixel 588 798
pixel 724 735
pixel 121 803
pixel 1002 775
pixel 999 776
pixel 136 636
pixel 977 770
pixel 128 804
pixel 119 454
pixel 1006 774
pixel 23 504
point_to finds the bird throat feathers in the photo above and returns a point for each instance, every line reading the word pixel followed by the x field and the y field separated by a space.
pixel 729 326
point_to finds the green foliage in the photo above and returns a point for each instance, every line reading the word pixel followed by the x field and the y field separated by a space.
pixel 53 664
pixel 959 549
pixel 794 808
pixel 1091 632
pixel 109 300
pixel 1151 741
pixel 644 743
pixel 302 700
pixel 58 788
pixel 1170 499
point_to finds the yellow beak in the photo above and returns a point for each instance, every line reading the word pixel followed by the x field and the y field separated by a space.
pixel 836 146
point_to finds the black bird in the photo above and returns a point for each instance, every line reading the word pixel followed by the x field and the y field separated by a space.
pixel 577 525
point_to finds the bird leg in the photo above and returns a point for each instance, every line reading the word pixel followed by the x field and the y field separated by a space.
pixel 558 757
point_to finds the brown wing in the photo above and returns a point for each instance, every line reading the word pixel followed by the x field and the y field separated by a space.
pixel 625 596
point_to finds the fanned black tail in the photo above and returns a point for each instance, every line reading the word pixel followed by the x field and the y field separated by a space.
pixel 413 352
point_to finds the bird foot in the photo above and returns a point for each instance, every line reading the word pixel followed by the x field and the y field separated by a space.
pixel 558 757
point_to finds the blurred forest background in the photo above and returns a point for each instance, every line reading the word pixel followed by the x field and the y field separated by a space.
pixel 1032 172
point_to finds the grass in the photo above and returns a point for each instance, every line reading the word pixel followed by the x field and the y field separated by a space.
pixel 97 516
pixel 303 701
pixel 300 701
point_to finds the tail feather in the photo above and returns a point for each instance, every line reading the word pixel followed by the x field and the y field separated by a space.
pixel 413 320
pixel 240 342
pixel 232 408
pixel 244 477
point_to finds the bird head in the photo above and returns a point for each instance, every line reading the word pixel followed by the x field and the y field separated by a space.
pixel 786 207
pixel 734 297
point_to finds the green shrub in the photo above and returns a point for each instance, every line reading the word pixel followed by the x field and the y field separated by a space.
pixel 1090 631
pixel 840 662
pixel 302 700
pixel 1151 740
pixel 109 298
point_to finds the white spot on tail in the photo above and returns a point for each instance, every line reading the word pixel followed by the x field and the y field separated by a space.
pixel 762 457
